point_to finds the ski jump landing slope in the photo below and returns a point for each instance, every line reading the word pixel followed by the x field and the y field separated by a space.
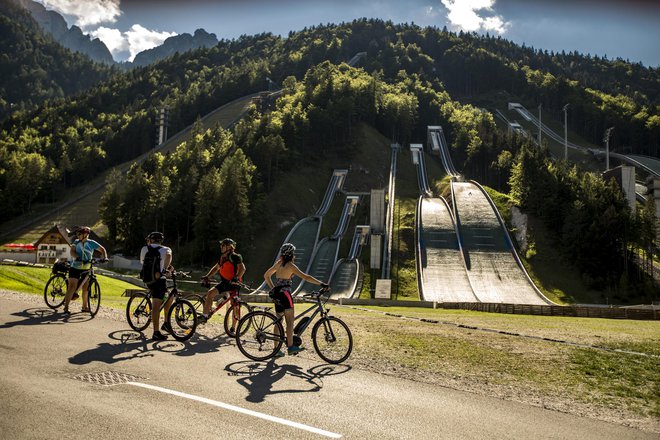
pixel 304 235
pixel 494 270
pixel 441 274
pixel 327 251
pixel 345 275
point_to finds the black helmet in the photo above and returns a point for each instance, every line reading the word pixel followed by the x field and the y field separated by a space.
pixel 156 236
pixel 287 250
pixel 82 229
pixel 228 241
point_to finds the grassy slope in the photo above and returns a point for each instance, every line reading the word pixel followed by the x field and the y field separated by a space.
pixel 33 279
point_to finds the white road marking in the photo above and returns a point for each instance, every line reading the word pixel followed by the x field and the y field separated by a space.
pixel 238 409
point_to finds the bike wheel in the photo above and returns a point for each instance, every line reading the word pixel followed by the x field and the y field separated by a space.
pixel 138 312
pixel 182 319
pixel 234 315
pixel 332 340
pixel 257 335
pixel 197 301
pixel 94 297
pixel 55 291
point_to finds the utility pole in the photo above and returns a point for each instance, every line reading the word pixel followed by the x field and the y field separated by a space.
pixel 539 125
pixel 606 139
pixel 163 123
pixel 566 132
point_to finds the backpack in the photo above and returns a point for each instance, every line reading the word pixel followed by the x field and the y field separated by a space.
pixel 151 266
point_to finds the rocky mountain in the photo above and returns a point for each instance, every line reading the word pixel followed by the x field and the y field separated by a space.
pixel 71 38
pixel 179 43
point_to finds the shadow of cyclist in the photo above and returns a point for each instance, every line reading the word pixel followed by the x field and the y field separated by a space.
pixel 130 345
pixel 259 378
pixel 39 315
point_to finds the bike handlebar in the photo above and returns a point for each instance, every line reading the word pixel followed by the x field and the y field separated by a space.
pixel 181 274
pixel 318 293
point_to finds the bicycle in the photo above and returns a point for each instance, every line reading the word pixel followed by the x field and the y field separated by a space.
pixel 56 286
pixel 332 338
pixel 235 311
pixel 181 317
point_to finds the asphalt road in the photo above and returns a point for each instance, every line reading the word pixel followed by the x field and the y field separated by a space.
pixel 206 389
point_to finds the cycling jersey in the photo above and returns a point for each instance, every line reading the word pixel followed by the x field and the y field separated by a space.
pixel 228 266
pixel 85 251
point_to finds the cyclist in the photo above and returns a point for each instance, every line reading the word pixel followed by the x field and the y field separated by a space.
pixel 231 268
pixel 81 251
pixel 156 279
pixel 284 269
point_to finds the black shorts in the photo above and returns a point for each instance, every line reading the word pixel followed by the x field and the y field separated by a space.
pixel 281 296
pixel 225 286
pixel 158 288
pixel 78 274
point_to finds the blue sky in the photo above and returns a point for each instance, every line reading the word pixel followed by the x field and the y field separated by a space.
pixel 627 29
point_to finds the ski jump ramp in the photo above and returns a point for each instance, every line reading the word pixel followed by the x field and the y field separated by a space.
pixel 464 252
pixel 304 235
pixel 493 267
pixel 441 273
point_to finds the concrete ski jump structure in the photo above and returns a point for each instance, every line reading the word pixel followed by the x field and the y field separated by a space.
pixel 304 235
pixel 464 252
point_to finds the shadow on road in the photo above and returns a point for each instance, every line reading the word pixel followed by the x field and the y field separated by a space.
pixel 130 345
pixel 42 315
pixel 259 378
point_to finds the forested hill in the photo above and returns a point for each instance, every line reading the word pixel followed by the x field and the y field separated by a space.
pixel 66 143
pixel 35 68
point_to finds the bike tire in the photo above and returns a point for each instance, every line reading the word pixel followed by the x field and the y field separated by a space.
pixel 55 291
pixel 138 312
pixel 94 297
pixel 332 340
pixel 256 335
pixel 182 319
pixel 198 302
pixel 237 310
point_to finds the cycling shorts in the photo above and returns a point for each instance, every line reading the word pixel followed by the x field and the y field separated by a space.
pixel 224 286
pixel 158 288
pixel 78 274
pixel 281 296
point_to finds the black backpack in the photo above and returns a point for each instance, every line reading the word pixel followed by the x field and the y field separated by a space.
pixel 151 266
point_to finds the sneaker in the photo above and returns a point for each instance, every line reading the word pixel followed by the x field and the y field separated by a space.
pixel 66 312
pixel 201 319
pixel 166 327
pixel 279 354
pixel 75 297
pixel 158 336
pixel 294 349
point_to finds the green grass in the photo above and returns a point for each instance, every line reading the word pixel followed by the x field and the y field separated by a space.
pixel 32 280
pixel 465 350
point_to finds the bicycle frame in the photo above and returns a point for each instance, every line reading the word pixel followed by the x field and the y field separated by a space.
pixel 233 298
pixel 318 308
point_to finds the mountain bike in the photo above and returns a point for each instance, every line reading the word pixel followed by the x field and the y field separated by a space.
pixel 237 308
pixel 181 317
pixel 260 334
pixel 56 287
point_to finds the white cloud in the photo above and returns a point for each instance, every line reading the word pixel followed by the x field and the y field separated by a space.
pixel 465 15
pixel 114 40
pixel 87 12
pixel 140 38
pixel 133 41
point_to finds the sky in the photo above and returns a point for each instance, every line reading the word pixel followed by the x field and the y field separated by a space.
pixel 628 29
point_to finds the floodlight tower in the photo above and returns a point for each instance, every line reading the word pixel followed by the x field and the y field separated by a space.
pixel 540 125
pixel 606 139
pixel 566 132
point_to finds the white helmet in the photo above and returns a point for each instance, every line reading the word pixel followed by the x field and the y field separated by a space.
pixel 287 250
